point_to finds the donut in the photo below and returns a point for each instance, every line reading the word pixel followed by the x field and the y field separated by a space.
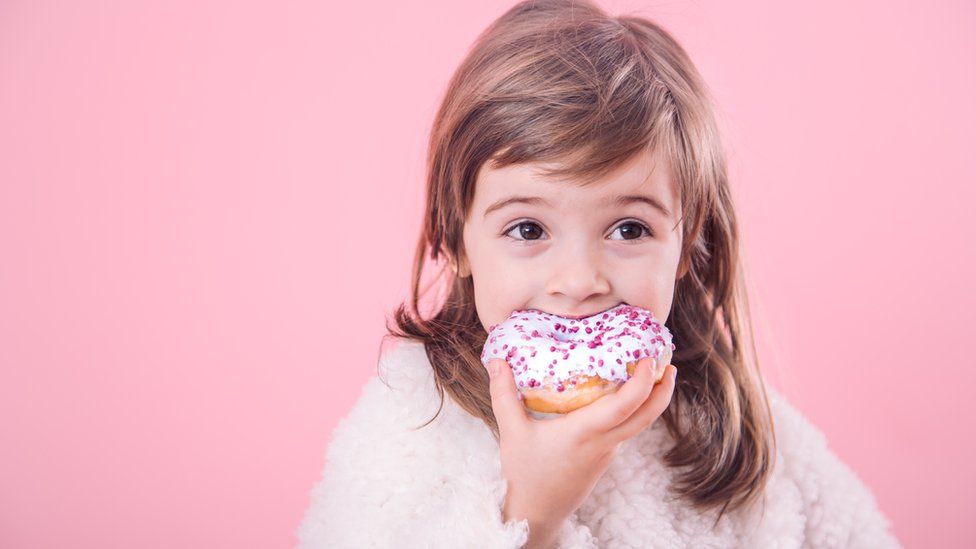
pixel 561 364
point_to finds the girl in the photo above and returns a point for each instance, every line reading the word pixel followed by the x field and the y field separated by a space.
pixel 575 165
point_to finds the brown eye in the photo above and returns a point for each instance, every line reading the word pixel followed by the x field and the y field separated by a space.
pixel 632 230
pixel 527 231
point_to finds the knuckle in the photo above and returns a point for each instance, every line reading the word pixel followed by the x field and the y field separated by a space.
pixel 619 413
pixel 581 436
pixel 614 440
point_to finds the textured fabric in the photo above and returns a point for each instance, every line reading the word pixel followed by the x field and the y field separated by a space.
pixel 386 484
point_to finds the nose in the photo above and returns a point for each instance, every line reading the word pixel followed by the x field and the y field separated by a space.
pixel 577 275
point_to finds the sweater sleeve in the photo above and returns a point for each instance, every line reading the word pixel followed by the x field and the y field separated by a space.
pixel 840 509
pixel 575 535
pixel 387 484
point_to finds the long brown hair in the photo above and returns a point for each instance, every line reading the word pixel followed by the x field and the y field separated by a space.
pixel 561 81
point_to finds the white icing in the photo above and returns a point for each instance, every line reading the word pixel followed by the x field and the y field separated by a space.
pixel 549 351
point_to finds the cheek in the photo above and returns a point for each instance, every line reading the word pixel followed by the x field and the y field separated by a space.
pixel 496 296
pixel 500 286
pixel 663 301
pixel 648 283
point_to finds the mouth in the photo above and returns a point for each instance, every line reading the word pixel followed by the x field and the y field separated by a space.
pixel 580 317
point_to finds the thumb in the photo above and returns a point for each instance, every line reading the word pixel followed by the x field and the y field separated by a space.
pixel 505 401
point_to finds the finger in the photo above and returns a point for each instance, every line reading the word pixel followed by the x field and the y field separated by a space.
pixel 610 410
pixel 505 402
pixel 649 411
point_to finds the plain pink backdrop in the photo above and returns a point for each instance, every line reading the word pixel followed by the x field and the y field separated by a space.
pixel 208 208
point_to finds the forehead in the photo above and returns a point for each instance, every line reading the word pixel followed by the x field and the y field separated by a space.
pixel 643 175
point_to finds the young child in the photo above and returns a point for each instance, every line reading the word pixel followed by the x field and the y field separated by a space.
pixel 575 165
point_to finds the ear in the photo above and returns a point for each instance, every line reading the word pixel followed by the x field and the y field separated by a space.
pixel 460 267
pixel 463 270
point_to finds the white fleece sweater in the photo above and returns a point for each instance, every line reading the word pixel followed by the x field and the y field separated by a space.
pixel 387 485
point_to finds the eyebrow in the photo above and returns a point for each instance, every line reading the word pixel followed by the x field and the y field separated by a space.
pixel 621 200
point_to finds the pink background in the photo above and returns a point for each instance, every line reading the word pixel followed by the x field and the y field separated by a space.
pixel 206 209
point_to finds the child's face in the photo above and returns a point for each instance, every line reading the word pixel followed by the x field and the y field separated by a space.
pixel 578 256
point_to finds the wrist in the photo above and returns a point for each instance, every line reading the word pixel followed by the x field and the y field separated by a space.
pixel 543 531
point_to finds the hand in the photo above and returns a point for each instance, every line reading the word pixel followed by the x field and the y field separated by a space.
pixel 551 466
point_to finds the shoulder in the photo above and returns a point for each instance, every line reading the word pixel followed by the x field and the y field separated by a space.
pixel 801 445
pixel 795 433
pixel 840 509
pixel 404 363
pixel 399 396
pixel 399 459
